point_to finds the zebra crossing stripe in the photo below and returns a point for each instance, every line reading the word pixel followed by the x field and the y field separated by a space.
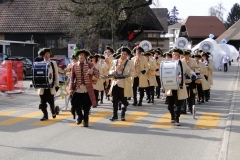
pixel 130 119
pixel 50 121
pixel 93 118
pixel 20 118
pixel 208 121
pixel 6 113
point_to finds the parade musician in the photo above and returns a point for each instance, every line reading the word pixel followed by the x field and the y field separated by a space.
pixel 140 79
pixel 47 95
pixel 81 86
pixel 121 88
pixel 176 97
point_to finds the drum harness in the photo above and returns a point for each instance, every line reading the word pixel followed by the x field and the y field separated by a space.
pixel 123 67
pixel 181 84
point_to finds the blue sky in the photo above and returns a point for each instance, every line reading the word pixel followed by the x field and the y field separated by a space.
pixel 196 7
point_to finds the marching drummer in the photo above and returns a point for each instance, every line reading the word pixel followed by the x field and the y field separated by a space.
pixel 176 97
pixel 140 78
pixel 191 86
pixel 167 57
pixel 81 86
pixel 121 88
pixel 47 95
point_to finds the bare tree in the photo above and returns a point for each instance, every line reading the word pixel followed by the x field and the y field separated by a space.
pixel 217 11
pixel 102 18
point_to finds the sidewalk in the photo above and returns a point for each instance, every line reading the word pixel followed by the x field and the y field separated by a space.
pixel 233 151
pixel 230 147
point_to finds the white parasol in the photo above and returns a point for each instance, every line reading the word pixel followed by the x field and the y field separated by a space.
pixel 210 45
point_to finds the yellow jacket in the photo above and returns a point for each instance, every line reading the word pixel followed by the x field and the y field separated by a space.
pixel 143 66
pixel 130 70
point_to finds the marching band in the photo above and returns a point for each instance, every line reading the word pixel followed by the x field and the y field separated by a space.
pixel 124 73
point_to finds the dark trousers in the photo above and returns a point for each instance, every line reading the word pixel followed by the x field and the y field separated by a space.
pixel 141 90
pixel 200 92
pixel 101 96
pixel 118 96
pixel 159 86
pixel 107 87
pixel 96 93
pixel 150 92
pixel 206 92
pixel 225 67
pixel 191 97
pixel 47 97
pixel 174 106
pixel 81 101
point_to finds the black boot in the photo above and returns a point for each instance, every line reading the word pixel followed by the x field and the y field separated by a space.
pixel 152 96
pixel 140 102
pixel 123 114
pixel 101 95
pixel 80 116
pixel 141 98
pixel 45 115
pixel 134 101
pixel 86 117
pixel 172 117
pixel 177 112
pixel 73 111
pixel 158 92
pixel 53 111
pixel 115 109
pixel 149 98
pixel 119 106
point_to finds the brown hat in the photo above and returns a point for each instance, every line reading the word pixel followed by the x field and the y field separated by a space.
pixel 44 50
pixel 198 56
pixel 138 48
pixel 178 50
pixel 206 54
pixel 109 48
pixel 125 49
pixel 148 54
pixel 87 53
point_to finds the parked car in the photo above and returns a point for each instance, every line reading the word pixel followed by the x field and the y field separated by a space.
pixel 3 76
pixel 62 62
pixel 2 57
pixel 27 65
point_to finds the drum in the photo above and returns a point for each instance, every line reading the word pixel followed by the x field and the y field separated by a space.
pixel 43 75
pixel 171 75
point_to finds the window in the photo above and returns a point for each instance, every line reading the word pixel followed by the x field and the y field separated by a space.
pixel 50 43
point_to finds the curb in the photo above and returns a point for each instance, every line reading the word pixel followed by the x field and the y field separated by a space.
pixel 224 149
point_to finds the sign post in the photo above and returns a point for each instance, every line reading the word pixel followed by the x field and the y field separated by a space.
pixel 71 49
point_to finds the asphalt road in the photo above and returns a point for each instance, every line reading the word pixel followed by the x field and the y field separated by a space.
pixel 146 134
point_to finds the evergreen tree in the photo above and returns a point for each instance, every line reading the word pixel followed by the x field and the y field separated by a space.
pixel 173 16
pixel 234 15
